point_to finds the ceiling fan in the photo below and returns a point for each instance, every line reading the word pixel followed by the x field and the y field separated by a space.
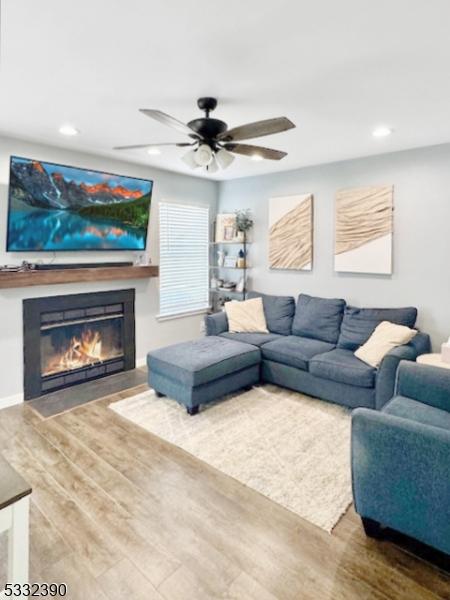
pixel 212 143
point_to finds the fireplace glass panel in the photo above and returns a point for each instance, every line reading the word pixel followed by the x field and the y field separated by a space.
pixel 67 347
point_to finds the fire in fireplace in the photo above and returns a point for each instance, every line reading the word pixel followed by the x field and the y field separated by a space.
pixel 76 345
pixel 73 339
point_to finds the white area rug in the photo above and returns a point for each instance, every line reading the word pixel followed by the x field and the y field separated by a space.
pixel 289 447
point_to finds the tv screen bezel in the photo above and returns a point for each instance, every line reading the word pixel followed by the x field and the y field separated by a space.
pixel 31 251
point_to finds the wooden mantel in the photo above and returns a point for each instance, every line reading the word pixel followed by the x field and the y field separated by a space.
pixel 16 279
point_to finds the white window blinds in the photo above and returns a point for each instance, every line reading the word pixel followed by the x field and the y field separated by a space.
pixel 184 258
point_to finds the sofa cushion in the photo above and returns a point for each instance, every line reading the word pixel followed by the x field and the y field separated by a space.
pixel 199 361
pixel 246 316
pixel 279 311
pixel 358 324
pixel 343 366
pixel 406 408
pixel 318 318
pixel 256 339
pixel 383 340
pixel 294 351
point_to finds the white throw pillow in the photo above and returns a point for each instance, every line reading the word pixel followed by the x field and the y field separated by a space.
pixel 385 338
pixel 246 317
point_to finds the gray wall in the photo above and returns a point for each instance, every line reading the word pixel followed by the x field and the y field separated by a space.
pixel 421 255
pixel 150 333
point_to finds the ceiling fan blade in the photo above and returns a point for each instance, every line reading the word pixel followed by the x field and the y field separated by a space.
pixel 260 151
pixel 257 129
pixel 166 119
pixel 153 145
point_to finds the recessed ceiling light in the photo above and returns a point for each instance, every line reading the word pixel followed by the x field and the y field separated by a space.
pixel 153 151
pixel 68 130
pixel 381 131
pixel 257 157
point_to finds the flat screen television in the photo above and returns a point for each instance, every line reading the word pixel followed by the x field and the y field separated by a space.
pixel 55 207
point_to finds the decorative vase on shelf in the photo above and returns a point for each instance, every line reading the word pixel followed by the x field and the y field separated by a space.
pixel 241 260
pixel 240 237
pixel 220 258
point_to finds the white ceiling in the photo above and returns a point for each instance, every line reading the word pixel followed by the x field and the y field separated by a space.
pixel 335 68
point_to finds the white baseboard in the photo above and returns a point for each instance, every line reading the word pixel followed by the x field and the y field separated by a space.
pixel 141 362
pixel 11 400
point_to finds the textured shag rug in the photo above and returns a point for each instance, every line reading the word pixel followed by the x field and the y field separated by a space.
pixel 289 447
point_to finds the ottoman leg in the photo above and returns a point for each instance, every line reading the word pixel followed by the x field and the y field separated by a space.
pixel 372 528
pixel 159 394
pixel 192 410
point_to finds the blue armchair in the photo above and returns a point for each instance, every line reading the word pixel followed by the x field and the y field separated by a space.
pixel 401 458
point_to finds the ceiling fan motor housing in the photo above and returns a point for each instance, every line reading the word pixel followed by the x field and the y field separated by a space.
pixel 208 128
pixel 205 127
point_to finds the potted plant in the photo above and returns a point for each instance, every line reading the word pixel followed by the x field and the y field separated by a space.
pixel 244 223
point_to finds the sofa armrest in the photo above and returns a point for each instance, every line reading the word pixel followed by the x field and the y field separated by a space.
pixel 421 343
pixel 385 383
pixel 400 475
pixel 216 323
pixel 427 384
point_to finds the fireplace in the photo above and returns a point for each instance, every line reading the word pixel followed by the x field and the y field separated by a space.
pixel 73 339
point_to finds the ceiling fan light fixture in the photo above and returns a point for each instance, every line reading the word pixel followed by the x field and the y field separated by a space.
pixel 256 157
pixel 189 159
pixel 224 158
pixel 213 167
pixel 153 151
pixel 203 155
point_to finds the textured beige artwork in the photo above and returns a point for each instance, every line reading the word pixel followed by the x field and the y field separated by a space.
pixel 363 239
pixel 291 232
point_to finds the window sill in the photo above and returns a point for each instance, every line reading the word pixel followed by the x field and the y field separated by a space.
pixel 181 315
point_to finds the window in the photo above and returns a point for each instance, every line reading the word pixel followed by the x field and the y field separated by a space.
pixel 184 258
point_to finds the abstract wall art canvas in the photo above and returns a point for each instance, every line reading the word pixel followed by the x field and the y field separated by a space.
pixel 291 232
pixel 363 230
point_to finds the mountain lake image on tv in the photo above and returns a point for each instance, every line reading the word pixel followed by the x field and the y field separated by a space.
pixel 54 207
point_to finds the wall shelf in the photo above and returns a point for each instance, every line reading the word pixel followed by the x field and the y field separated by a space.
pixel 234 268
pixel 235 243
pixel 16 279
pixel 225 292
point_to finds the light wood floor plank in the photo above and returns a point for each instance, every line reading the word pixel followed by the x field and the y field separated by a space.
pixel 124 581
pixel 245 587
pixel 79 481
pixel 81 585
pixel 78 531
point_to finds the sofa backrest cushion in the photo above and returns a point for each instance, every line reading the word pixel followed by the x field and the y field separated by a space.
pixel 358 324
pixel 318 318
pixel 279 312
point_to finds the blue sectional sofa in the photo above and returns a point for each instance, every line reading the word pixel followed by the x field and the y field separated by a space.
pixel 401 458
pixel 310 347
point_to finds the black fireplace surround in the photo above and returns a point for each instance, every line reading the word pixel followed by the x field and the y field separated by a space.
pixel 77 338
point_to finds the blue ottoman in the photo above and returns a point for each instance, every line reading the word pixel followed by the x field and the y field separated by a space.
pixel 203 370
